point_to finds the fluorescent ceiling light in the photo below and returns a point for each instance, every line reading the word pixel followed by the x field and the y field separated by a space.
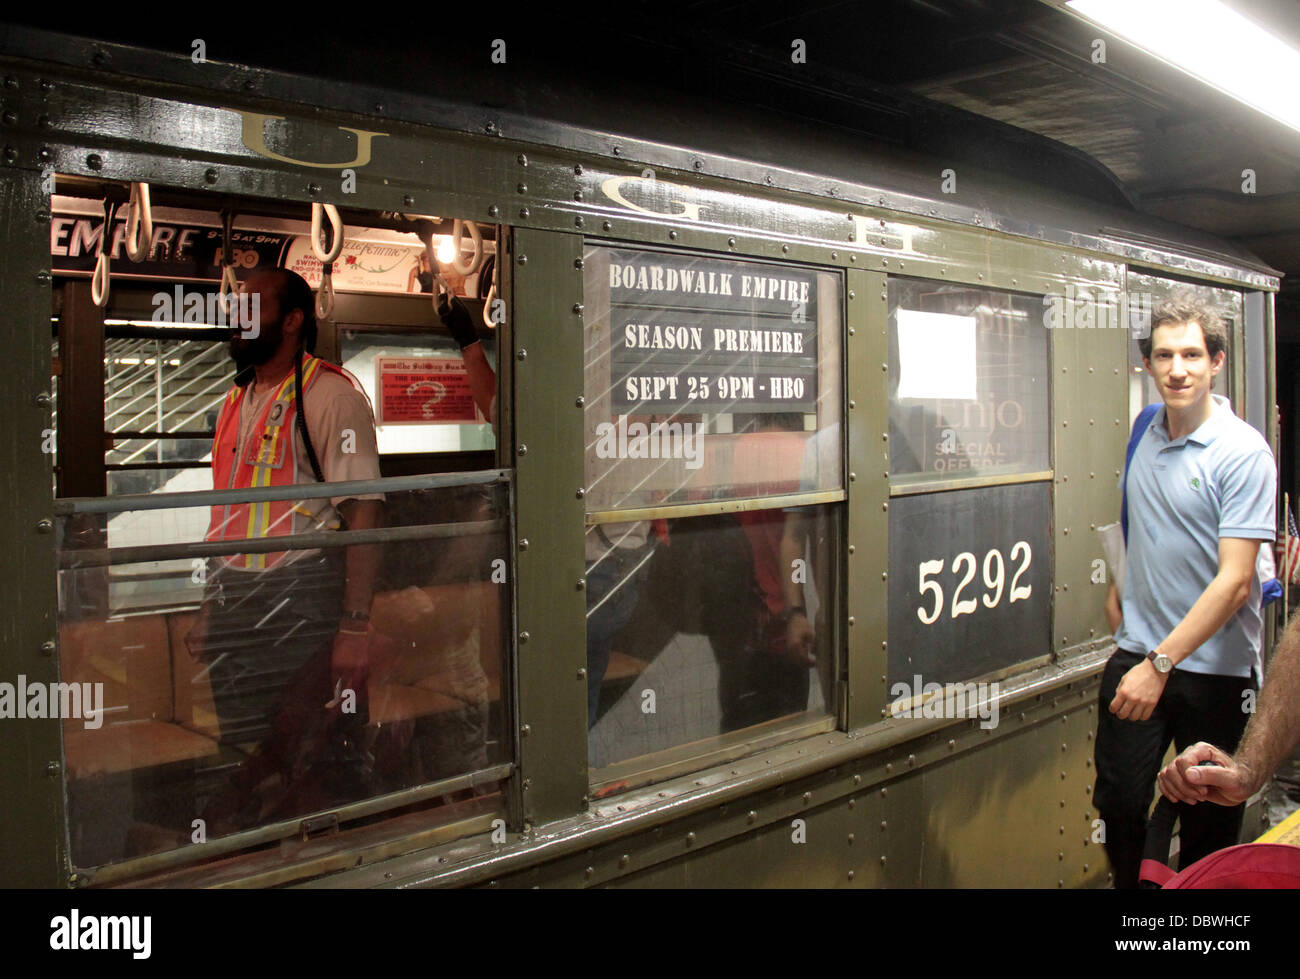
pixel 1211 42
pixel 165 324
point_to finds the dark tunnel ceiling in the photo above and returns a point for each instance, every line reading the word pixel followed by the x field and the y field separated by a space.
pixel 1138 133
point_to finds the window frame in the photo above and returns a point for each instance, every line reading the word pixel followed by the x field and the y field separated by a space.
pixel 681 759
pixel 243 846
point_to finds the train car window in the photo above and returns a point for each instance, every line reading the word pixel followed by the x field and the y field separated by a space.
pixel 970 560
pixel 1145 293
pixel 967 383
pixel 693 362
pixel 321 632
pixel 707 378
pixel 418 385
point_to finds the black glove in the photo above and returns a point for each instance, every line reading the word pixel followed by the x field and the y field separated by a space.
pixel 455 317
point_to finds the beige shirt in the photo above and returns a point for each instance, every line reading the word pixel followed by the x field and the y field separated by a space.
pixel 342 428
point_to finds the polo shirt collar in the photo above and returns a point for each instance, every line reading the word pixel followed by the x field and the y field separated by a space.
pixel 1209 430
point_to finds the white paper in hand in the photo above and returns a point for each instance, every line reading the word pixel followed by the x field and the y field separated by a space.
pixel 1112 545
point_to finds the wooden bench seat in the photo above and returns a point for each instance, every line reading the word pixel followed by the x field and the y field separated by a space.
pixel 127 745
pixel 436 650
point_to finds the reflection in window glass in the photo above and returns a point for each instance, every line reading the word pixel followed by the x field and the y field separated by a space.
pixel 699 626
pixel 1146 292
pixel 967 382
pixel 707 377
pixel 224 704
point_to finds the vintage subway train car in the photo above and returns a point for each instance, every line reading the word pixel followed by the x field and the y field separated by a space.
pixel 797 431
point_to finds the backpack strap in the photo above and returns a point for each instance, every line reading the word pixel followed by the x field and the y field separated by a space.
pixel 1155 872
pixel 1140 425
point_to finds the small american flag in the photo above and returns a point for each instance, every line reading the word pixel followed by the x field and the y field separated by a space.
pixel 1291 562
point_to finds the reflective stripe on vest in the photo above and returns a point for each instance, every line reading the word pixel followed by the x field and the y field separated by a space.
pixel 268 460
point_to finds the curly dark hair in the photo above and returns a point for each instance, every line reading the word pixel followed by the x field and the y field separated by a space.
pixel 1187 308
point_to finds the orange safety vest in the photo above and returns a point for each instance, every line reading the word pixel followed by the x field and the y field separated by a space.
pixel 271 460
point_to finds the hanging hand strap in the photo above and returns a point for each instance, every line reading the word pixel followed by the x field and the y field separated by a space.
pixel 99 279
pixel 139 224
pixel 229 287
pixel 325 294
pixel 476 239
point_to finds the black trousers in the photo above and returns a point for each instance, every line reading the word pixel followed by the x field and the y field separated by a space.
pixel 1194 707
pixel 269 647
pixel 264 628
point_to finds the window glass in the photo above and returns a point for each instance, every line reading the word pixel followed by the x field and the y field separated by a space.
pixel 970 588
pixel 153 385
pixel 700 626
pixel 221 703
pixel 708 377
pixel 230 667
pixel 420 390
pixel 967 382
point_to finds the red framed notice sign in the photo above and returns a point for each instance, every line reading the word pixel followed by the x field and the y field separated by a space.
pixel 423 391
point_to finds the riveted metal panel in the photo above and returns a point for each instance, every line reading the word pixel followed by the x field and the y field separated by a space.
pixel 32 845
pixel 1237 352
pixel 550 640
pixel 995 205
pixel 1270 372
pixel 98 127
pixel 867 478
pixel 1258 363
pixel 236 147
pixel 1019 816
pixel 710 816
pixel 868 839
pixel 1089 372
pixel 1011 811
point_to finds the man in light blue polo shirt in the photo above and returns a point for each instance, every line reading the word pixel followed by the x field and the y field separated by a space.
pixel 1201 491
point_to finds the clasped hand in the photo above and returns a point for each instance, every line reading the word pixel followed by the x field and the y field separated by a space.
pixel 1139 692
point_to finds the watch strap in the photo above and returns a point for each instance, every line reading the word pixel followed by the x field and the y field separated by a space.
pixel 1153 656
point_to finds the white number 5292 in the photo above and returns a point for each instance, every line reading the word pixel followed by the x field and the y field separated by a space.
pixel 994 575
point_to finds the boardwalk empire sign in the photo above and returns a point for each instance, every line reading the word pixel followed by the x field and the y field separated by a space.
pixel 701 334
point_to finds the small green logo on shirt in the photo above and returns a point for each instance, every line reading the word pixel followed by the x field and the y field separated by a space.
pixel 1196 482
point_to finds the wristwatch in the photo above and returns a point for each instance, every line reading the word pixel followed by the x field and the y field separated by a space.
pixel 1163 664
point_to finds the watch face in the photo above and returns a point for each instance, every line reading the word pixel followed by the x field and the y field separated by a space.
pixel 1163 663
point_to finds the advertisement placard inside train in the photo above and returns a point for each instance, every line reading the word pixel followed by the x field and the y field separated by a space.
pixel 423 391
